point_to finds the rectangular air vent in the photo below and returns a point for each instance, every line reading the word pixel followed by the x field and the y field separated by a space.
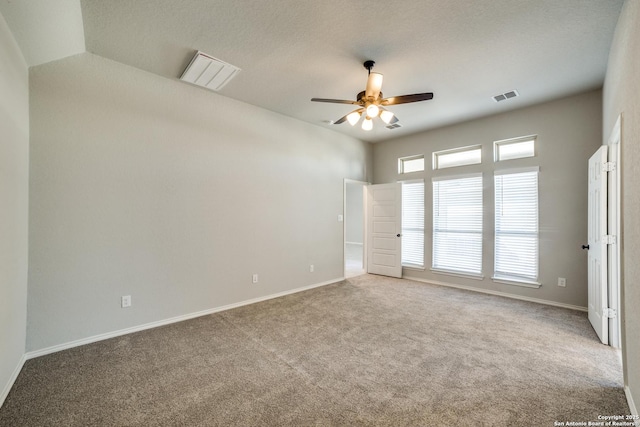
pixel 511 94
pixel 505 96
pixel 394 126
pixel 209 72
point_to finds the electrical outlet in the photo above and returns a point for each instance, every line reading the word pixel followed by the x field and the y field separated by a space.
pixel 255 278
pixel 311 268
pixel 126 301
pixel 562 281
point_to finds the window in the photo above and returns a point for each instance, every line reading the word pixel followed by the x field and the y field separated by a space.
pixel 516 148
pixel 516 225
pixel 411 164
pixel 457 224
pixel 413 223
pixel 457 157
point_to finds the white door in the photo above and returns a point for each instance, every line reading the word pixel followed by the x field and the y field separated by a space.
pixel 384 227
pixel 613 217
pixel 597 275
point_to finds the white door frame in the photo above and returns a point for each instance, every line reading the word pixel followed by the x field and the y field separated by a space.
pixel 614 226
pixel 344 224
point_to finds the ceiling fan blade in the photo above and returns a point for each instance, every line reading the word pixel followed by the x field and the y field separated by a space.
pixel 374 86
pixel 341 119
pixel 346 116
pixel 394 120
pixel 335 101
pixel 405 99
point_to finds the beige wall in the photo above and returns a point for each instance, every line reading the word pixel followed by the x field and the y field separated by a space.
pixel 569 130
pixel 172 194
pixel 622 96
pixel 14 187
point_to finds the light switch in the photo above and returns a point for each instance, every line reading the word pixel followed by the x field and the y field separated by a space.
pixel 340 218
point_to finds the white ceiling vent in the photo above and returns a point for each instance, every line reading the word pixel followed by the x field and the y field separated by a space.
pixel 209 72
pixel 394 126
pixel 505 96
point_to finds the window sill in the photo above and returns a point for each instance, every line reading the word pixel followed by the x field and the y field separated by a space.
pixel 458 274
pixel 515 282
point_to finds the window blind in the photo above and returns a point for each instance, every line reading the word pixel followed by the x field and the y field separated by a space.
pixel 516 225
pixel 413 223
pixel 457 224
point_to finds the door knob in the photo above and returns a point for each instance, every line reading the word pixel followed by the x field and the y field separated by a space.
pixel 585 247
pixel 398 235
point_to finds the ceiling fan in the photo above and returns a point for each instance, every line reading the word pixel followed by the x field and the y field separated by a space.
pixel 372 103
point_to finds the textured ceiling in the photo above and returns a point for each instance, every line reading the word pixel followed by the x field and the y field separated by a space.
pixel 465 51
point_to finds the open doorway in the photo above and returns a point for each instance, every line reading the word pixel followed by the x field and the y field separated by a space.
pixel 354 235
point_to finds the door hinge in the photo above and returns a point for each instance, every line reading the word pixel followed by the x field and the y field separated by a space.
pixel 609 313
pixel 608 166
pixel 609 239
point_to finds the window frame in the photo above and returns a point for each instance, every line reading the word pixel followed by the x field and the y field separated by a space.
pixel 402 160
pixel 437 154
pixel 513 141
pixel 517 280
pixel 409 265
pixel 478 275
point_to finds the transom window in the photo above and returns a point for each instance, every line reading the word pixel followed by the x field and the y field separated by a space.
pixel 471 155
pixel 515 148
pixel 411 164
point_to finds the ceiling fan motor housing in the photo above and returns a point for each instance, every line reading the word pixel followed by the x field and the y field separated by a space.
pixel 362 100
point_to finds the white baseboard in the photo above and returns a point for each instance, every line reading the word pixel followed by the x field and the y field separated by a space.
pixel 498 293
pixel 12 379
pixel 105 336
pixel 632 406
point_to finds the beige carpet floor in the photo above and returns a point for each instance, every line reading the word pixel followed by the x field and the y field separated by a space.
pixel 368 351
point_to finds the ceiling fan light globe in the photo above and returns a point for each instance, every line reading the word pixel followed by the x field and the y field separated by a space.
pixel 353 118
pixel 373 110
pixel 367 124
pixel 386 116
